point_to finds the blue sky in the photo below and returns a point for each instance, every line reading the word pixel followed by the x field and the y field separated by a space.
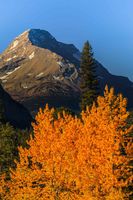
pixel 107 24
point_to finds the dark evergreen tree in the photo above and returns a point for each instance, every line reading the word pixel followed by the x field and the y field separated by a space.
pixel 10 139
pixel 8 149
pixel 2 112
pixel 88 78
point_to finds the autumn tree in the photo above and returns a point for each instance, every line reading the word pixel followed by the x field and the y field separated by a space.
pixel 88 78
pixel 75 159
pixel 61 110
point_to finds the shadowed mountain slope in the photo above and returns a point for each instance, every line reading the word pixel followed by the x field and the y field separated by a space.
pixel 15 113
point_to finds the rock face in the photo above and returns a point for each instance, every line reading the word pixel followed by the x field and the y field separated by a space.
pixel 36 69
pixel 16 114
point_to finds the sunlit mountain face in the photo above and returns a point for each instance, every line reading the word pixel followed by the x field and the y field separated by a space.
pixel 36 69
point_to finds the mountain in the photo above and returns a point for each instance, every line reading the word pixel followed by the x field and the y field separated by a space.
pixel 16 114
pixel 121 84
pixel 36 69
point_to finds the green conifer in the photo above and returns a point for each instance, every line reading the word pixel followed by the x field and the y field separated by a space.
pixel 88 78
pixel 8 149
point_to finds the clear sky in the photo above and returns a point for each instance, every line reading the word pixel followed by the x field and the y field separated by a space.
pixel 107 24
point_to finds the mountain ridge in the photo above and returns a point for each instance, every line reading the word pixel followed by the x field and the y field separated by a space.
pixel 36 66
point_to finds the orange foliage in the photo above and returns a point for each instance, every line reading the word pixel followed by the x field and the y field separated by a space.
pixel 75 159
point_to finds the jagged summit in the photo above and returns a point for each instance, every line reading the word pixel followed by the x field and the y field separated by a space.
pixel 43 39
pixel 38 36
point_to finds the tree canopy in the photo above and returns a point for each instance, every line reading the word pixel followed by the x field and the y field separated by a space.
pixel 74 158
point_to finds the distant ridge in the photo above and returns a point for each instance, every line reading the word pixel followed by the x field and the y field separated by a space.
pixel 16 114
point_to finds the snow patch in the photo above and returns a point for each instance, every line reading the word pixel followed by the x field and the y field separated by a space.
pixel 56 77
pixel 11 58
pixel 60 63
pixel 3 77
pixel 24 33
pixel 4 81
pixel 15 43
pixel 8 73
pixel 8 59
pixel 39 75
pixel 14 56
pixel 77 55
pixel 16 69
pixel 25 86
pixel 32 55
pixel 29 74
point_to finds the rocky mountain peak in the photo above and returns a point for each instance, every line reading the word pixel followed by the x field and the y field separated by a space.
pixel 36 68
pixel 36 63
pixel 38 37
pixel 24 44
pixel 44 39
